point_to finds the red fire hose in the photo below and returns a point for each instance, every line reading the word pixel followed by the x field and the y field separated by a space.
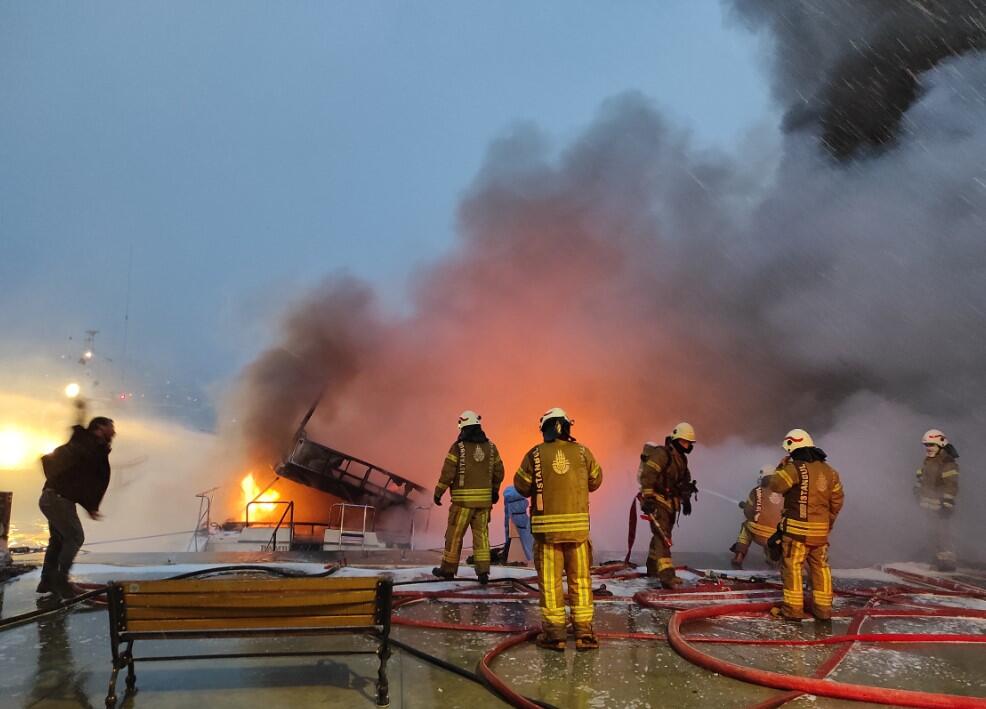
pixel 965 589
pixel 501 687
pixel 809 685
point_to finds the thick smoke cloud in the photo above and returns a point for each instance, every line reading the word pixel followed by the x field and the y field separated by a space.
pixel 324 340
pixel 638 281
pixel 853 67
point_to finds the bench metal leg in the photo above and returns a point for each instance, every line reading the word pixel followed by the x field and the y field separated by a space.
pixel 383 687
pixel 131 675
pixel 111 692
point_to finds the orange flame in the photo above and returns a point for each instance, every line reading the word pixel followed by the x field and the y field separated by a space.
pixel 252 492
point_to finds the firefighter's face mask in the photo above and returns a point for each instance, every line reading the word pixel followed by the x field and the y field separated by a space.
pixel 931 450
pixel 683 445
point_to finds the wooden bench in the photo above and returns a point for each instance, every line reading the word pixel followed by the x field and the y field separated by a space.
pixel 246 608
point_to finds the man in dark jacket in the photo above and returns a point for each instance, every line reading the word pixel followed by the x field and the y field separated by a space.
pixel 76 473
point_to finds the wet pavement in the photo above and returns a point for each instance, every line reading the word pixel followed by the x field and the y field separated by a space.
pixel 63 660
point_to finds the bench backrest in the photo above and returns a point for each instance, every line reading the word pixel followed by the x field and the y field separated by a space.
pixel 250 604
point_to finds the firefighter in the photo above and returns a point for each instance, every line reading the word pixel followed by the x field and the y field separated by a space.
pixel 762 509
pixel 935 488
pixel 813 497
pixel 666 488
pixel 474 471
pixel 558 475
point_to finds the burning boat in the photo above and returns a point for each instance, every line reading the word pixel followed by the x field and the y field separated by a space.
pixel 366 507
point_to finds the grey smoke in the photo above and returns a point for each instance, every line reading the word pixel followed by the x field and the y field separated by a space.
pixel 644 281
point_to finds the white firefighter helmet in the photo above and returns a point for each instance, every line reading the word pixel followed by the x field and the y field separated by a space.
pixel 685 431
pixel 468 418
pixel 766 471
pixel 797 438
pixel 934 437
pixel 554 413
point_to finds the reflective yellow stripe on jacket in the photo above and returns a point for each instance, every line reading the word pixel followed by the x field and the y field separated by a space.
pixel 595 472
pixel 472 495
pixel 761 530
pixel 811 529
pixel 576 522
pixel 659 498
pixel 782 474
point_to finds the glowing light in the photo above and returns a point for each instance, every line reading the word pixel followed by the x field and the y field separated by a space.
pixel 20 448
pixel 72 390
pixel 252 492
pixel 14 448
pixel 88 354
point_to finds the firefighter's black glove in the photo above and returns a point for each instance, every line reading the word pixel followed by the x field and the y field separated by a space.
pixel 496 496
pixel 687 489
pixel 438 499
pixel 686 507
pixel 648 506
pixel 946 511
pixel 775 547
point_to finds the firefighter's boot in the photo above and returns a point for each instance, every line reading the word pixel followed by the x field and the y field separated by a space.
pixel 823 613
pixel 669 580
pixel 945 561
pixel 739 554
pixel 442 573
pixel 484 578
pixel 551 638
pixel 787 613
pixel 651 568
pixel 585 637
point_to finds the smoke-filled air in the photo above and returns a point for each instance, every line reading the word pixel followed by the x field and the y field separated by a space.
pixel 833 279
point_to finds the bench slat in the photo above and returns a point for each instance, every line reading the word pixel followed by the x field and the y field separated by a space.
pixel 247 600
pixel 237 623
pixel 200 612
pixel 250 585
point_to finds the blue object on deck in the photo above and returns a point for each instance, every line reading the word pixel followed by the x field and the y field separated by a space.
pixel 515 507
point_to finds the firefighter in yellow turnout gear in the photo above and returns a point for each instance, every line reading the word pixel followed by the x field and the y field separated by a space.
pixel 666 488
pixel 936 486
pixel 813 497
pixel 762 509
pixel 473 470
pixel 558 475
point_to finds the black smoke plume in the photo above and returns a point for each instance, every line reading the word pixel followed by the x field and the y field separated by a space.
pixel 854 67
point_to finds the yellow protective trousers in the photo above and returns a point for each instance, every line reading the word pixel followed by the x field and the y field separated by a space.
pixel 575 559
pixel 460 518
pixel 795 554
pixel 659 561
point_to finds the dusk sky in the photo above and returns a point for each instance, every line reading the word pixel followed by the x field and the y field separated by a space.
pixel 242 152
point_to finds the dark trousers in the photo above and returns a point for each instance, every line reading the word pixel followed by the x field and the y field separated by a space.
pixel 67 535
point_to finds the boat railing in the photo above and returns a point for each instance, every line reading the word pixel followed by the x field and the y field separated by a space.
pixel 288 512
